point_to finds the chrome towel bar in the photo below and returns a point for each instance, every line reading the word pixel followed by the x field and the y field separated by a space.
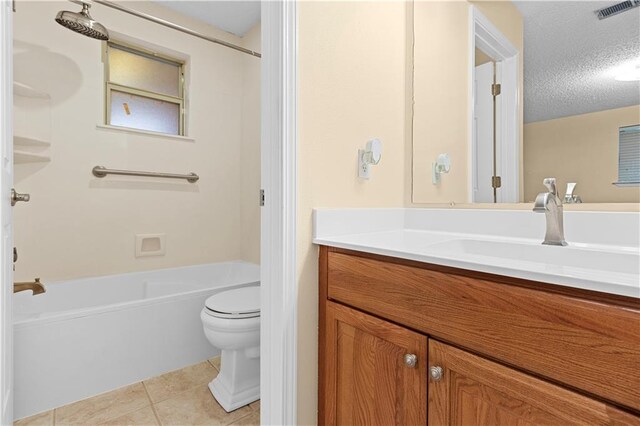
pixel 100 171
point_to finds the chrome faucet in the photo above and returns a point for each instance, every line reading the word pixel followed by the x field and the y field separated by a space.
pixel 35 286
pixel 551 205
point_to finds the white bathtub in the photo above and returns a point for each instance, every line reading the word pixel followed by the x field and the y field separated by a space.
pixel 91 335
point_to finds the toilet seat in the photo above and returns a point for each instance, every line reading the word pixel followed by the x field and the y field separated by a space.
pixel 238 303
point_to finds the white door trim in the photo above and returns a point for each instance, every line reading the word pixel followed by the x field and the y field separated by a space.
pixel 486 36
pixel 6 241
pixel 278 220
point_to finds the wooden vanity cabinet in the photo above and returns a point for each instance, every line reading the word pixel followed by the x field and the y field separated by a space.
pixel 471 390
pixel 375 370
pixel 376 313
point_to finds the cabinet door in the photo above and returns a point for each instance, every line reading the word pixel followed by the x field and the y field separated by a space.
pixel 375 372
pixel 470 390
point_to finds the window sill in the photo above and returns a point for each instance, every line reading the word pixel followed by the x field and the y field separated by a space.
pixel 143 132
pixel 626 184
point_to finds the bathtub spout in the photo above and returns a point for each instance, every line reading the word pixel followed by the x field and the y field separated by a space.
pixel 36 286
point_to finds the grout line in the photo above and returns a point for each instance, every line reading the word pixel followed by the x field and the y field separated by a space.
pixel 55 410
pixel 153 407
pixel 251 413
pixel 212 364
pixel 155 413
pixel 146 391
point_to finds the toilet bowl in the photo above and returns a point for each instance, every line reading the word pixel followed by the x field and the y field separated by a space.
pixel 231 321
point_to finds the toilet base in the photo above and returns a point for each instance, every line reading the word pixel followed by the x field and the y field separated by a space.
pixel 238 383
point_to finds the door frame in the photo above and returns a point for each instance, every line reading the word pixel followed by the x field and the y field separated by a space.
pixel 486 36
pixel 279 297
pixel 6 182
pixel 278 218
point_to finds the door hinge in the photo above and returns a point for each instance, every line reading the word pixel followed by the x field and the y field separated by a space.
pixel 262 197
pixel 495 89
pixel 496 181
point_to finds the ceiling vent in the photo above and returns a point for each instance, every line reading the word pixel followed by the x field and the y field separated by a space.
pixel 617 8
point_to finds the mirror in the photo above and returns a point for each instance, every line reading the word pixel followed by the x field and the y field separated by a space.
pixel 514 92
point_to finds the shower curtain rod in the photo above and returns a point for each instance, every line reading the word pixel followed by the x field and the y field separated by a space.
pixel 175 26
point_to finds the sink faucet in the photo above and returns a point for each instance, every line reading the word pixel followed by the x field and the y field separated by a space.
pixel 551 205
pixel 35 286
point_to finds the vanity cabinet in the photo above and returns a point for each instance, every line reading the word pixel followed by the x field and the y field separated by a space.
pixel 471 390
pixel 488 349
pixel 376 370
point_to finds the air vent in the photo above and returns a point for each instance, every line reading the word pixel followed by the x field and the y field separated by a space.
pixel 617 8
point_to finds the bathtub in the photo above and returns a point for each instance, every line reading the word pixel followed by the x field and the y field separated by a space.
pixel 87 336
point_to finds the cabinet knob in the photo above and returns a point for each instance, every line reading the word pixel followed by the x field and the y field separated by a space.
pixel 436 373
pixel 410 360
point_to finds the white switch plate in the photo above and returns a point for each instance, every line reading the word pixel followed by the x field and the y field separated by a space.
pixel 150 245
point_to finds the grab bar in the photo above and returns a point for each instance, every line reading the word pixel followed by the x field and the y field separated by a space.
pixel 100 171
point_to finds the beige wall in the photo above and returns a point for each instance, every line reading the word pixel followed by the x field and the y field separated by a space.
pixel 581 148
pixel 351 88
pixel 441 92
pixel 77 225
pixel 250 150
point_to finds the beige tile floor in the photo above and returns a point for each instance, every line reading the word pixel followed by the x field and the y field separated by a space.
pixel 180 397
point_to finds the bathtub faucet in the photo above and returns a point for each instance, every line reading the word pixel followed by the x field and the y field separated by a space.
pixel 36 286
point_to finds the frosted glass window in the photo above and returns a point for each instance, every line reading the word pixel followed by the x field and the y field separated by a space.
pixel 139 112
pixel 144 72
pixel 144 91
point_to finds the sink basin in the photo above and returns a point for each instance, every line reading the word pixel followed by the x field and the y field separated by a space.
pixel 569 257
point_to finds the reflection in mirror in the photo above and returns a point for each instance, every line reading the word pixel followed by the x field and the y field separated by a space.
pixel 519 91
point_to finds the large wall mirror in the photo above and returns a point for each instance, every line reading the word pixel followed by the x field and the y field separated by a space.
pixel 506 94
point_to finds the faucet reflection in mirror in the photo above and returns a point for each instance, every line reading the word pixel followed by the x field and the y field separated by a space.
pixel 569 196
pixel 442 165
pixel 551 205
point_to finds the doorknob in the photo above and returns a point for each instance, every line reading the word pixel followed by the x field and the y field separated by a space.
pixel 15 197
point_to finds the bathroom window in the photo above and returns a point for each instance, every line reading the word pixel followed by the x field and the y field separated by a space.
pixel 144 90
pixel 629 156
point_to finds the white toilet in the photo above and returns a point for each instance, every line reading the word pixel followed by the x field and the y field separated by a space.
pixel 231 321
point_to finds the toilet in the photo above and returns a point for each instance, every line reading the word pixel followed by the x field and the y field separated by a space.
pixel 231 321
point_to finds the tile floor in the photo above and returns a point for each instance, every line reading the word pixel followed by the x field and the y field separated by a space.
pixel 179 397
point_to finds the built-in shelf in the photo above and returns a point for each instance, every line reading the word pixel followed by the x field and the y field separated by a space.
pixel 21 157
pixel 27 91
pixel 24 141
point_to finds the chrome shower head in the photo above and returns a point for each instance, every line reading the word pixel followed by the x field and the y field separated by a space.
pixel 81 22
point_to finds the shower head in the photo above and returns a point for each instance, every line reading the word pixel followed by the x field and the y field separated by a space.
pixel 81 22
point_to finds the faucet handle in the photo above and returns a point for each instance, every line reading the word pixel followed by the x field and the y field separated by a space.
pixel 550 183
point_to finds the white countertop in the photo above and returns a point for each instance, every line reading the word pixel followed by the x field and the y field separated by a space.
pixel 589 265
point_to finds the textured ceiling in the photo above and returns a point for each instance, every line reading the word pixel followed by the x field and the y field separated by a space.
pixel 236 17
pixel 570 55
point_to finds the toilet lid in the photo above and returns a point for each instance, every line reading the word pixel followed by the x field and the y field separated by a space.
pixel 237 303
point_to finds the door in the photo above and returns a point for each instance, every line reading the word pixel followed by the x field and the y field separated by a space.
pixel 6 237
pixel 375 371
pixel 465 389
pixel 483 136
